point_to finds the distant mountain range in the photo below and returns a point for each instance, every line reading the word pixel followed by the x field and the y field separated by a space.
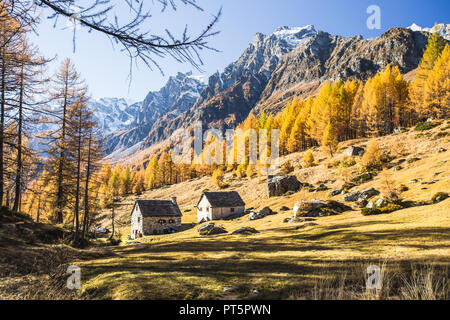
pixel 272 69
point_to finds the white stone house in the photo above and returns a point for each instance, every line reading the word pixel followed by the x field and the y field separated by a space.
pixel 219 205
pixel 150 217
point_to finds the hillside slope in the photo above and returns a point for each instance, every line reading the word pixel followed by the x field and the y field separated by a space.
pixel 320 258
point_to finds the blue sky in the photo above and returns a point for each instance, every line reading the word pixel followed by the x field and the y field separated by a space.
pixel 106 69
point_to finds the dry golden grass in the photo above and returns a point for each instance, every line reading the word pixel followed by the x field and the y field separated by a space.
pixel 323 259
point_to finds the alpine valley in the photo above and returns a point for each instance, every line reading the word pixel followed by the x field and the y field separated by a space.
pixel 271 70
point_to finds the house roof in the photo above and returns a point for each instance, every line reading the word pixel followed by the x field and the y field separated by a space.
pixel 223 199
pixel 158 208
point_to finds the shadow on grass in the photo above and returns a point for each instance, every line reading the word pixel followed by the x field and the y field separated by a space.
pixel 200 268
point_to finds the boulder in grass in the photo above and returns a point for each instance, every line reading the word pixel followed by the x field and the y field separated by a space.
pixel 216 230
pixel 245 231
pixel 284 208
pixel 279 185
pixel 255 216
pixel 355 151
pixel 335 193
pixel 318 208
pixel 205 228
pixel 361 195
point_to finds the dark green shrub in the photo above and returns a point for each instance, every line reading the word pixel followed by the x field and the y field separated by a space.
pixel 391 207
pixel 370 211
pixel 423 126
pixel 413 160
pixel 403 188
pixel 366 176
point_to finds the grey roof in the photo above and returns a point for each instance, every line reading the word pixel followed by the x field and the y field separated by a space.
pixel 158 208
pixel 224 199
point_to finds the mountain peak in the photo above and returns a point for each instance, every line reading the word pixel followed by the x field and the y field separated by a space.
pixel 442 28
pixel 293 35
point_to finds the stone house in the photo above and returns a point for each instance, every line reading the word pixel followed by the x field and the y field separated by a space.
pixel 150 217
pixel 219 205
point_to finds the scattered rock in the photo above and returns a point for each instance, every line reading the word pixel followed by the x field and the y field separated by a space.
pixel 355 151
pixel 440 196
pixel 245 230
pixel 205 228
pixel 228 289
pixel 265 211
pixel 279 185
pixel 335 193
pixel 413 181
pixel 101 230
pixel 442 150
pixel 255 216
pixel 361 203
pixel 255 291
pixel 216 230
pixel 381 203
pixel 284 208
pixel 318 208
pixel 361 195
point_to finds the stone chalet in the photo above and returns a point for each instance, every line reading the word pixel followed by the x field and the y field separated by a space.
pixel 219 205
pixel 150 217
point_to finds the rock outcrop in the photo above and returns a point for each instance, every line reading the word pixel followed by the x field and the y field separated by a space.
pixel 279 185
pixel 361 195
pixel 318 208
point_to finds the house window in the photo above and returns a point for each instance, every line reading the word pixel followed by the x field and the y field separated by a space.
pixel 200 209
pixel 162 221
pixel 139 219
pixel 171 221
pixel 232 209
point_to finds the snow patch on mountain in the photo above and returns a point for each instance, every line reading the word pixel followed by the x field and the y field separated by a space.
pixel 114 114
pixel 294 35
pixel 442 28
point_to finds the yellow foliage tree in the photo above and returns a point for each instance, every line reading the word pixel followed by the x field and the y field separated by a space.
pixel 329 139
pixel 308 159
pixel 372 156
pixel 437 86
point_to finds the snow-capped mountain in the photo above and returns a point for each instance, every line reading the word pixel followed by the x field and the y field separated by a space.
pixel 443 28
pixel 271 70
pixel 178 95
pixel 114 114
pixel 294 36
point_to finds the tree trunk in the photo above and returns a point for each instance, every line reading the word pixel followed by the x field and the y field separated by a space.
pixel 86 189
pixel 2 123
pixel 112 222
pixel 60 195
pixel 19 147
pixel 77 192
pixel 38 209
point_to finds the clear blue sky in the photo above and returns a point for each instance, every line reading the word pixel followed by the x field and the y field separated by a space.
pixel 106 69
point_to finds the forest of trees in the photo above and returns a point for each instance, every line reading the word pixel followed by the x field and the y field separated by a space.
pixel 340 111
pixel 67 182
pixel 54 183
pixel 56 176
